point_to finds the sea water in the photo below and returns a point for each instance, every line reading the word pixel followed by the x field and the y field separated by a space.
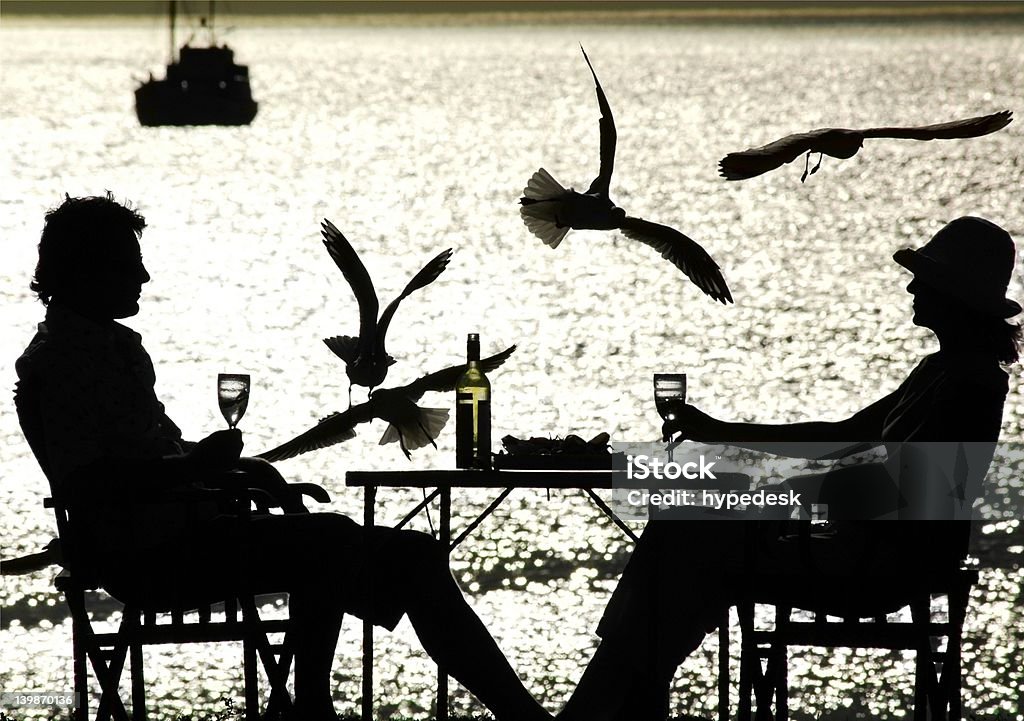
pixel 412 139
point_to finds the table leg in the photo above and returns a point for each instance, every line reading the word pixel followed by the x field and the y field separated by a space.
pixel 445 531
pixel 611 514
pixel 369 501
pixel 723 667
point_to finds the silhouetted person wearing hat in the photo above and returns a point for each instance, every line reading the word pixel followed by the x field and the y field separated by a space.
pixel 678 581
pixel 88 407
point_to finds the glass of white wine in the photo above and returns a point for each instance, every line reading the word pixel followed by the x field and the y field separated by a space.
pixel 669 396
pixel 233 396
pixel 669 393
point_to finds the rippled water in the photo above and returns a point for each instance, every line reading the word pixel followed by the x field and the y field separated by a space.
pixel 416 139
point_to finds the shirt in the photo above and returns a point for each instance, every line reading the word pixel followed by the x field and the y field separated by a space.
pixel 94 386
pixel 949 397
pixel 941 433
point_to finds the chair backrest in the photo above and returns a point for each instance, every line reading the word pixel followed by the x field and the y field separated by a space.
pixel 75 546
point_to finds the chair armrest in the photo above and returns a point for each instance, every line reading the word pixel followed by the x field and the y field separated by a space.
pixel 257 473
pixel 315 491
pixel 287 497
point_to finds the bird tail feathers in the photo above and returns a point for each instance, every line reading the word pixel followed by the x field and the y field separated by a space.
pixel 542 186
pixel 540 202
pixel 344 346
pixel 420 432
pixel 547 230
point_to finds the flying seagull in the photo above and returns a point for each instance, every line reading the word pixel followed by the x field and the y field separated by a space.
pixel 550 211
pixel 366 360
pixel 844 143
pixel 412 426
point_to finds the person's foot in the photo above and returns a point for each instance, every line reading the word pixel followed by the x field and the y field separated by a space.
pixel 308 712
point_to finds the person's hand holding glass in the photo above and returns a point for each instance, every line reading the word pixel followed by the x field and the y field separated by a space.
pixel 680 416
pixel 669 397
pixel 221 450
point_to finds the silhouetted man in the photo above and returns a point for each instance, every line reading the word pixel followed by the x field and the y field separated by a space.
pixel 89 408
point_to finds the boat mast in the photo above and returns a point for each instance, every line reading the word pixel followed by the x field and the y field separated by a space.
pixel 173 10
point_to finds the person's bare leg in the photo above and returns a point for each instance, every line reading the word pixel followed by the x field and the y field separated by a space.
pixel 315 639
pixel 602 691
pixel 652 628
pixel 280 552
pixel 620 684
pixel 456 638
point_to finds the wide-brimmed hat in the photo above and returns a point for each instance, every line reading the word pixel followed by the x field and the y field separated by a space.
pixel 970 259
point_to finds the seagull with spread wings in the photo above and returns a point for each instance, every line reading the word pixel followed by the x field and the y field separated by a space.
pixel 550 211
pixel 366 360
pixel 843 143
pixel 409 424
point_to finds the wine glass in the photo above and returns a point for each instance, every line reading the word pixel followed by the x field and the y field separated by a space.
pixel 232 396
pixel 669 395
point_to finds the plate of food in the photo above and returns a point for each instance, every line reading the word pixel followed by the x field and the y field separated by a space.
pixel 555 454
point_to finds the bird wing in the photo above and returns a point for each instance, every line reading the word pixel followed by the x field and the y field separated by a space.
pixel 427 275
pixel 966 128
pixel 50 555
pixel 684 253
pixel 347 260
pixel 608 137
pixel 445 380
pixel 755 161
pixel 333 429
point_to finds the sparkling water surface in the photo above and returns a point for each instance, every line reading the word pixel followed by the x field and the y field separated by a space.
pixel 415 139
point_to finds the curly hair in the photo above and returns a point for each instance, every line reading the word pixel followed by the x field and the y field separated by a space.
pixel 73 234
pixel 1006 339
pixel 991 334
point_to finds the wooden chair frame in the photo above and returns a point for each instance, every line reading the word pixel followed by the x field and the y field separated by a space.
pixel 937 686
pixel 141 626
pixel 106 652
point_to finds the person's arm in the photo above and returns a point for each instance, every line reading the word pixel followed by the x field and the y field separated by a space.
pixel 256 473
pixel 814 439
pixel 128 479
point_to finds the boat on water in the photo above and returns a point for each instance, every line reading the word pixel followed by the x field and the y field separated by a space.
pixel 203 85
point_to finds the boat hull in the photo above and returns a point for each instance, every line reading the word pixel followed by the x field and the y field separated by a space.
pixel 164 102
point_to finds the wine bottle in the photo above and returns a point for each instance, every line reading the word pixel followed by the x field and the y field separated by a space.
pixel 473 411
